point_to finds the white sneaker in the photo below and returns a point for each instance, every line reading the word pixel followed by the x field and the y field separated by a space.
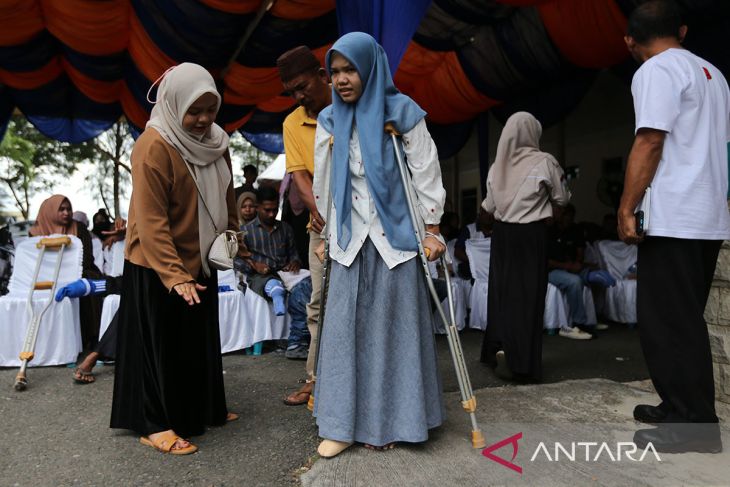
pixel 574 334
pixel 601 326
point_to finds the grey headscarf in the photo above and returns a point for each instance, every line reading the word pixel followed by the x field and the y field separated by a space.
pixel 180 88
pixel 518 152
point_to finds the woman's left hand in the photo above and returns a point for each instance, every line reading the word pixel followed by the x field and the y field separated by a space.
pixel 433 247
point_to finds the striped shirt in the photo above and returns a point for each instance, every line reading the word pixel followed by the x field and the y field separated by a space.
pixel 275 249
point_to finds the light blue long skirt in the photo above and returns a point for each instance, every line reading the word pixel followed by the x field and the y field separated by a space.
pixel 377 379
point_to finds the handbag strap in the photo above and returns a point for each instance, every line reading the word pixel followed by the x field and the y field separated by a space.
pixel 197 186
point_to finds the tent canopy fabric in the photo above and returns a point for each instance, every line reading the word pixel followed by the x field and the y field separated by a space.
pixel 73 67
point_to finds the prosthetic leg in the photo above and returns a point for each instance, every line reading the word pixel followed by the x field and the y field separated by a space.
pixel 26 355
pixel 468 400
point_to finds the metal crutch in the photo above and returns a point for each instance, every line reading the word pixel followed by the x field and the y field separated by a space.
pixel 468 400
pixel 326 265
pixel 27 354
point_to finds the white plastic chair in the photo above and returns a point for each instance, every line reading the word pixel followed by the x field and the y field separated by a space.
pixel 59 335
pixel 616 257
pixel 478 251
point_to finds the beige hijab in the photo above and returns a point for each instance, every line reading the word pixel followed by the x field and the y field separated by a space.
pixel 180 88
pixel 46 223
pixel 518 152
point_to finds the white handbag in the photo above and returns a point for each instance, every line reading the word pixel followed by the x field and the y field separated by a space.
pixel 223 250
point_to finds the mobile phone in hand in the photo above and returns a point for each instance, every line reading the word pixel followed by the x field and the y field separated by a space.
pixel 639 215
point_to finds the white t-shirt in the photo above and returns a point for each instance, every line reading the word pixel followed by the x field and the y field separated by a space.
pixel 687 97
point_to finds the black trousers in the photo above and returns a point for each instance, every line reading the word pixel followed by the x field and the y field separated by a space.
pixel 674 281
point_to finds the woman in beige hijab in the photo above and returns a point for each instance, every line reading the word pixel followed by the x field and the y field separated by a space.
pixel 169 378
pixel 522 183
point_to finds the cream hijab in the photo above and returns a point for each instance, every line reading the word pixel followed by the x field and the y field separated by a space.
pixel 518 152
pixel 180 88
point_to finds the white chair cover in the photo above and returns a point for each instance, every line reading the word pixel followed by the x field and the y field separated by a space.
pixel 233 317
pixel 98 252
pixel 108 310
pixel 246 319
pixel 59 335
pixel 460 290
pixel 265 325
pixel 616 257
pixel 556 309
pixel 478 251
pixel 114 259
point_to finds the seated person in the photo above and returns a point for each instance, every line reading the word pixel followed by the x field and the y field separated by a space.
pixel 247 205
pixel 271 248
pixel 568 272
pixel 55 218
pixel 481 228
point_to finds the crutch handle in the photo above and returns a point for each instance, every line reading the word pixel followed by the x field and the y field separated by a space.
pixel 54 242
pixel 26 356
pixel 390 129
pixel 43 285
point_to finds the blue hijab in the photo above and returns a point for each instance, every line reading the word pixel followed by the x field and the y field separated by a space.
pixel 379 104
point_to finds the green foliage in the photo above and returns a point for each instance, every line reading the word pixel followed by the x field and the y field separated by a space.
pixel 30 162
pixel 244 153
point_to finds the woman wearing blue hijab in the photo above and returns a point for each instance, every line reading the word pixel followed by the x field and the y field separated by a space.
pixel 377 381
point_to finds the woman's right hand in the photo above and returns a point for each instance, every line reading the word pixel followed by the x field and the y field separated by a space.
pixel 189 291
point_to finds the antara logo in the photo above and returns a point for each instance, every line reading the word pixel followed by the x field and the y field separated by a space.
pixel 487 452
pixel 571 452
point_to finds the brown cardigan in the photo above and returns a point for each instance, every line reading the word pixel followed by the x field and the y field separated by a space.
pixel 162 230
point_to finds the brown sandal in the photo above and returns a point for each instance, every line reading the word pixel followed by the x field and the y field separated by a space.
pixel 231 417
pixel 83 377
pixel 165 442
pixel 299 397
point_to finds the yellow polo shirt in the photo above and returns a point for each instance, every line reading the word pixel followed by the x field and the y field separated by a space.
pixel 299 131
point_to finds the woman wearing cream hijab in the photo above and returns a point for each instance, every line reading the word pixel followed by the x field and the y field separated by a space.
pixel 521 184
pixel 169 378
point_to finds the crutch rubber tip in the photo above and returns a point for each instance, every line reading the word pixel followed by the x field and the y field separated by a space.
pixel 310 403
pixel 21 383
pixel 477 439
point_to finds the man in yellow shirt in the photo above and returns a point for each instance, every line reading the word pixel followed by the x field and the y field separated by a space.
pixel 306 81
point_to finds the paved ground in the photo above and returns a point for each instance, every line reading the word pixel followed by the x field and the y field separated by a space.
pixel 56 433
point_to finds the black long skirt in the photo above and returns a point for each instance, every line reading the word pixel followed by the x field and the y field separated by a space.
pixel 516 302
pixel 169 373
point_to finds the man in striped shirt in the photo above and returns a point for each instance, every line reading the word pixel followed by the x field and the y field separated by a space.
pixel 272 247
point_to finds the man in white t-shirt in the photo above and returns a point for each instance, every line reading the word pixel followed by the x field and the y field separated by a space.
pixel 682 106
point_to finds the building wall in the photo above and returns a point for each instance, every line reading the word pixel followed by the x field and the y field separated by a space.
pixel 600 127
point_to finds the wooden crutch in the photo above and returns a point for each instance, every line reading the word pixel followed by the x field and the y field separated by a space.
pixel 27 354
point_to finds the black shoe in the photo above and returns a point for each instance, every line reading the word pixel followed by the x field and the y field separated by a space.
pixel 649 414
pixel 502 369
pixel 681 438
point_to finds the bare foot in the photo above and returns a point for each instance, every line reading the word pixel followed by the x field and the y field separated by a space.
pixel 89 362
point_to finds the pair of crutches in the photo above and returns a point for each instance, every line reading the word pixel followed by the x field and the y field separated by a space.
pixel 34 323
pixel 468 400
